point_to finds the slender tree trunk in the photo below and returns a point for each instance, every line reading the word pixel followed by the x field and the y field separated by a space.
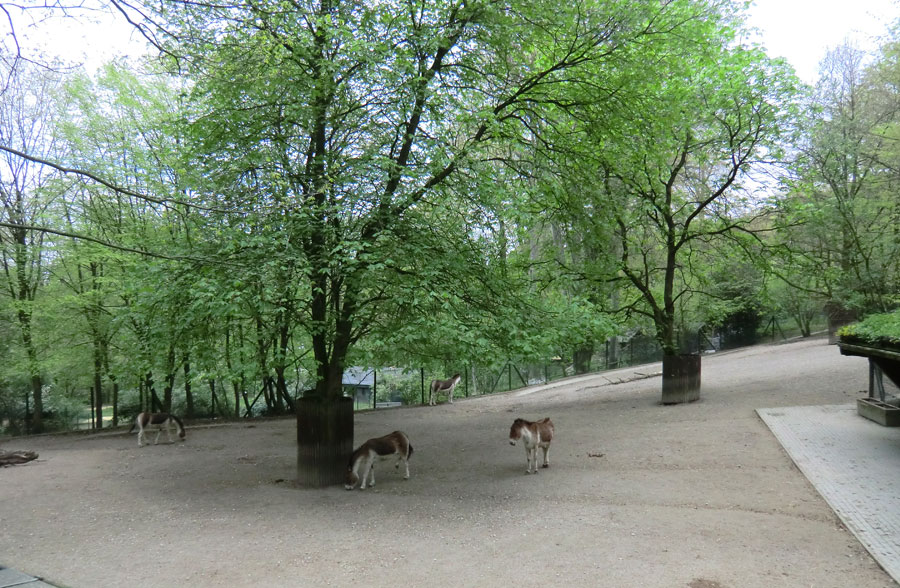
pixel 170 378
pixel 282 395
pixel 154 404
pixel 237 383
pixel 212 396
pixel 188 395
pixel 115 401
pixel 262 347
pixel 104 350
pixel 25 298
pixel 37 383
pixel 681 373
pixel 98 385
pixel 582 358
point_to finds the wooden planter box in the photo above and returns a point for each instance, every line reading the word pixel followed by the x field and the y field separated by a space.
pixel 882 413
pixel 324 441
pixel 681 379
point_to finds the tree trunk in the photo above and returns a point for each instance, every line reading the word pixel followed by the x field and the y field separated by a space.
pixel 188 394
pixel 37 418
pixel 93 313
pixel 681 379
pixel 98 385
pixel 15 458
pixel 170 379
pixel 154 405
pixel 37 382
pixel 238 384
pixel 115 401
pixel 212 397
pixel 838 316
pixel 281 391
pixel 269 393
pixel 582 358
pixel 612 353
pixel 282 396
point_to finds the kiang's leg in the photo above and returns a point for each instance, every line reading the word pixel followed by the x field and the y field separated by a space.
pixel 367 468
pixel 546 456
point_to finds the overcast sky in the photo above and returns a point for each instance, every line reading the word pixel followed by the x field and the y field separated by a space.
pixel 800 30
pixel 804 30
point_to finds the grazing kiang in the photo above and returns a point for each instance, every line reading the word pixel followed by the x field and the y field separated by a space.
pixel 393 446
pixel 533 435
pixel 161 421
pixel 447 386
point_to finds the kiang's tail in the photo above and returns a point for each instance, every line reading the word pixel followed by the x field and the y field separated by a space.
pixel 133 425
pixel 408 455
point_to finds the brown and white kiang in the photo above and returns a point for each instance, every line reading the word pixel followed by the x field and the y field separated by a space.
pixel 393 446
pixel 447 386
pixel 160 421
pixel 533 435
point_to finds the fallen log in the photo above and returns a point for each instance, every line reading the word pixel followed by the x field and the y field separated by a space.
pixel 8 458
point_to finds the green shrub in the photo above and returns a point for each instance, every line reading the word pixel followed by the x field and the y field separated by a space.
pixel 876 328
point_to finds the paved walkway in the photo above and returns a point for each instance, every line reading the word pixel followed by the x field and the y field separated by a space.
pixel 10 577
pixel 854 464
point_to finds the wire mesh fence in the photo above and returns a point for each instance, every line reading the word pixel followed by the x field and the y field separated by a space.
pixel 374 388
pixel 370 387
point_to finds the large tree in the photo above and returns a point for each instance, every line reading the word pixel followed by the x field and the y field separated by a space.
pixel 840 241
pixel 663 170
pixel 345 126
pixel 27 113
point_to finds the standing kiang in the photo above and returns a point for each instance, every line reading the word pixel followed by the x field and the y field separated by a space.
pixel 447 386
pixel 533 435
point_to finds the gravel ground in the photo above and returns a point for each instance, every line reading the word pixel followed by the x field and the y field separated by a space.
pixel 638 495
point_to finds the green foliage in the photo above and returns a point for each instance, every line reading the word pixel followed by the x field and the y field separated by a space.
pixel 875 328
pixel 402 385
pixel 654 177
pixel 468 183
pixel 837 239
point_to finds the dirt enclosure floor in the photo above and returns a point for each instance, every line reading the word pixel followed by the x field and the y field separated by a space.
pixel 638 495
